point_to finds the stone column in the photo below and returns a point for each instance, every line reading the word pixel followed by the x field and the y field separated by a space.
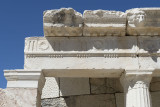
pixel 136 88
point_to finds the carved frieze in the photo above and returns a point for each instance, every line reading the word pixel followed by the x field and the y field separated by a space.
pixel 143 21
pixel 80 47
pixel 37 44
pixel 84 47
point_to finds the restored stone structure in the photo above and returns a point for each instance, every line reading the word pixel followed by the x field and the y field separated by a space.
pixel 98 59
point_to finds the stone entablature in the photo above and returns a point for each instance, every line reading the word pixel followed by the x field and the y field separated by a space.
pixel 132 52
pixel 97 44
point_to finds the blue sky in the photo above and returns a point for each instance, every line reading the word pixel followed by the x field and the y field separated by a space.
pixel 23 18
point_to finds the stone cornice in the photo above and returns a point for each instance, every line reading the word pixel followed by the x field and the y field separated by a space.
pixel 22 74
pixel 80 55
pixel 133 22
pixel 87 55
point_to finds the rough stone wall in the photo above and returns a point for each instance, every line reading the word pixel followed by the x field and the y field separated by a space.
pixel 75 92
pixel 89 92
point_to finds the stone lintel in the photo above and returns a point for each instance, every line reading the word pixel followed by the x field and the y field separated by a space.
pixel 22 75
pixel 100 73
pixel 35 75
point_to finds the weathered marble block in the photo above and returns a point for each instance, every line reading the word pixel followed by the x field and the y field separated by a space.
pixel 155 84
pixel 149 52
pixel 81 53
pixel 104 23
pixel 62 22
pixel 74 86
pixel 143 21
pixel 149 45
pixel 51 88
pixel 105 85
pixel 18 97
pixel 102 100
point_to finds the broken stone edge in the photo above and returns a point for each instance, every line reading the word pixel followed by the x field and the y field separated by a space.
pixel 133 22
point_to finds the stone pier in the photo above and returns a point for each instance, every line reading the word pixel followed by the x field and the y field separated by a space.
pixel 99 59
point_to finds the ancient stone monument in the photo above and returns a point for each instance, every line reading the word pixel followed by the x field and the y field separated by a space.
pixel 98 59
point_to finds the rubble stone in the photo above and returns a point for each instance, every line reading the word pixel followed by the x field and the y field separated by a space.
pixel 103 100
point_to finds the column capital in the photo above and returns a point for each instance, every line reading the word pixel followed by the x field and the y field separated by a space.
pixel 136 87
pixel 132 77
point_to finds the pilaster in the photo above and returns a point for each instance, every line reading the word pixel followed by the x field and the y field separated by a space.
pixel 27 80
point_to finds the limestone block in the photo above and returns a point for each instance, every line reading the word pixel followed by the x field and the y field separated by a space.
pixel 155 96
pixel 72 45
pixel 18 97
pixel 105 85
pixel 37 44
pixel 51 88
pixel 143 21
pixel 149 52
pixel 62 22
pixel 149 62
pixel 155 99
pixel 119 99
pixel 149 46
pixel 23 78
pixel 91 63
pixel 74 86
pixel 155 84
pixel 81 53
pixel 102 100
pixel 104 23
